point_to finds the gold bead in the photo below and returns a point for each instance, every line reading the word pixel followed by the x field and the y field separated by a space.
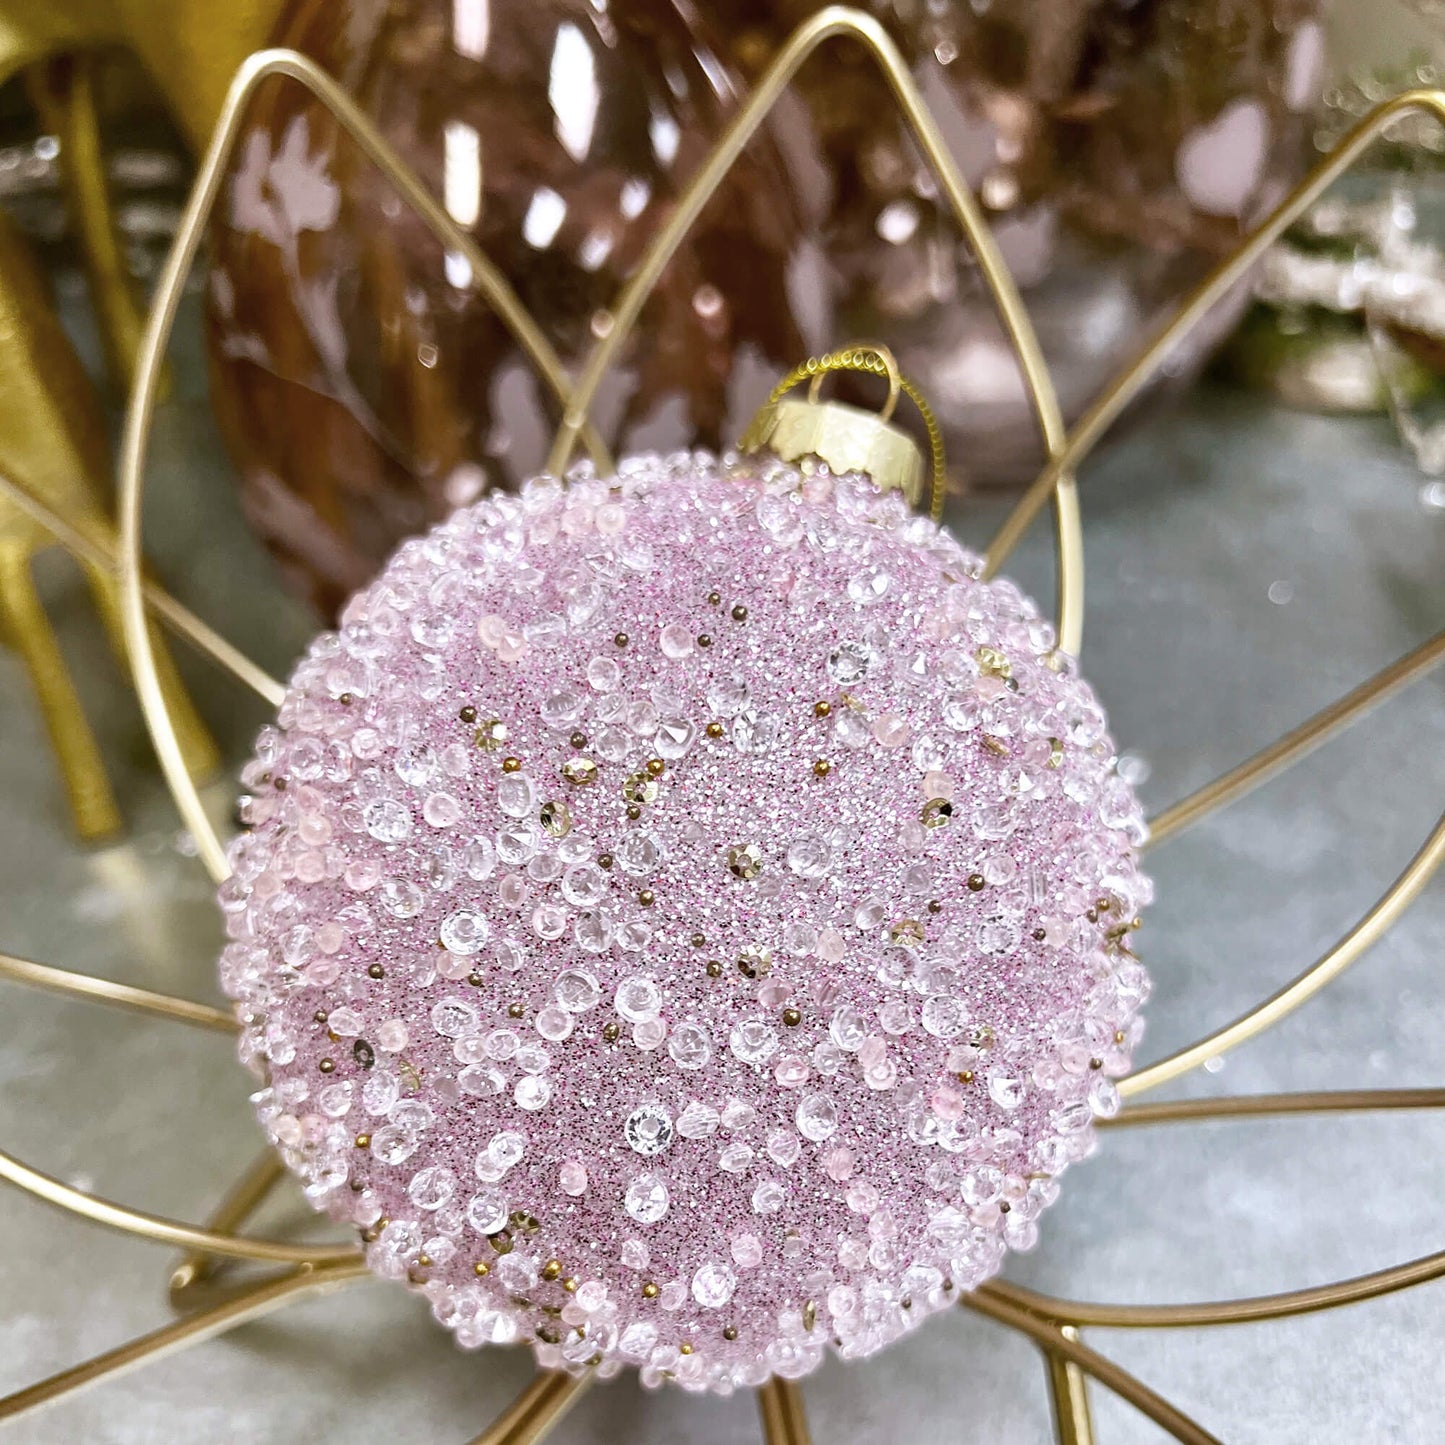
pixel 578 740
pixel 570 1284
pixel 468 714
pixel 516 1010
pixel 375 970
pixel 511 765
pixel 650 1290
pixel 552 1269
pixel 740 613
pixel 656 767
pixel 965 1076
pixel 730 1332
pixel 604 860
pixel 822 768
pixel 792 1017
pixel 822 708
pixel 714 730
pixel 714 597
pixel 363 1141
pixel 611 1032
pixel 685 1348
pixel 326 1065
pixel 704 640
pixel 698 941
pixel 481 1269
pixel 977 882
pixel 619 639
pixel 647 898
pixel 714 968
pixel 320 1016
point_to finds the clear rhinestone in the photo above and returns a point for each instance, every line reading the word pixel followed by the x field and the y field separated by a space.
pixel 646 1199
pixel 648 1129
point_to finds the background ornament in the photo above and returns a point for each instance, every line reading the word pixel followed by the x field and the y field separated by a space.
pixel 1120 151
pixel 363 391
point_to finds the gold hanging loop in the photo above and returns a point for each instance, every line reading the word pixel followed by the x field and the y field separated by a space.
pixel 863 357
pixel 870 359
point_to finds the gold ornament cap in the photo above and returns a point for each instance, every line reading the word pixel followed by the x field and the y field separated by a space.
pixel 848 438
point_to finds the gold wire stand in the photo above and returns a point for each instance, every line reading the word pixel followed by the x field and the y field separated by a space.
pixel 211 1306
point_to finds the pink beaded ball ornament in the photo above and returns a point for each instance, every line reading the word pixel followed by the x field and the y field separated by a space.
pixel 682 920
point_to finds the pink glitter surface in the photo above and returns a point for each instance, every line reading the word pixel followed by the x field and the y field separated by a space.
pixel 683 920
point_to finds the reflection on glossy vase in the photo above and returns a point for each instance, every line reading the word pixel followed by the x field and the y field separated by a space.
pixel 1119 148
pixel 363 390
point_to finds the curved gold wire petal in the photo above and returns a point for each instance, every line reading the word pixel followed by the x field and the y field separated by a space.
pixel 118 995
pixel 785 1421
pixel 485 278
pixel 237 1205
pixel 1367 932
pixel 1299 742
pixel 998 1303
pixel 1224 1312
pixel 204 1325
pixel 832 23
pixel 1105 411
pixel 536 1410
pixel 181 620
pixel 162 1230
pixel 1258 1106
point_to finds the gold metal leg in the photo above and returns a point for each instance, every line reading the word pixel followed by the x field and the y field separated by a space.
pixel 536 1410
pixel 197 746
pixel 205 1325
pixel 81 767
pixel 63 91
pixel 237 1205
pixel 785 1421
pixel 1069 1396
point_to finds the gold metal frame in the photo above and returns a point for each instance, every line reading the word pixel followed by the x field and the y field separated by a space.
pixel 1054 1324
